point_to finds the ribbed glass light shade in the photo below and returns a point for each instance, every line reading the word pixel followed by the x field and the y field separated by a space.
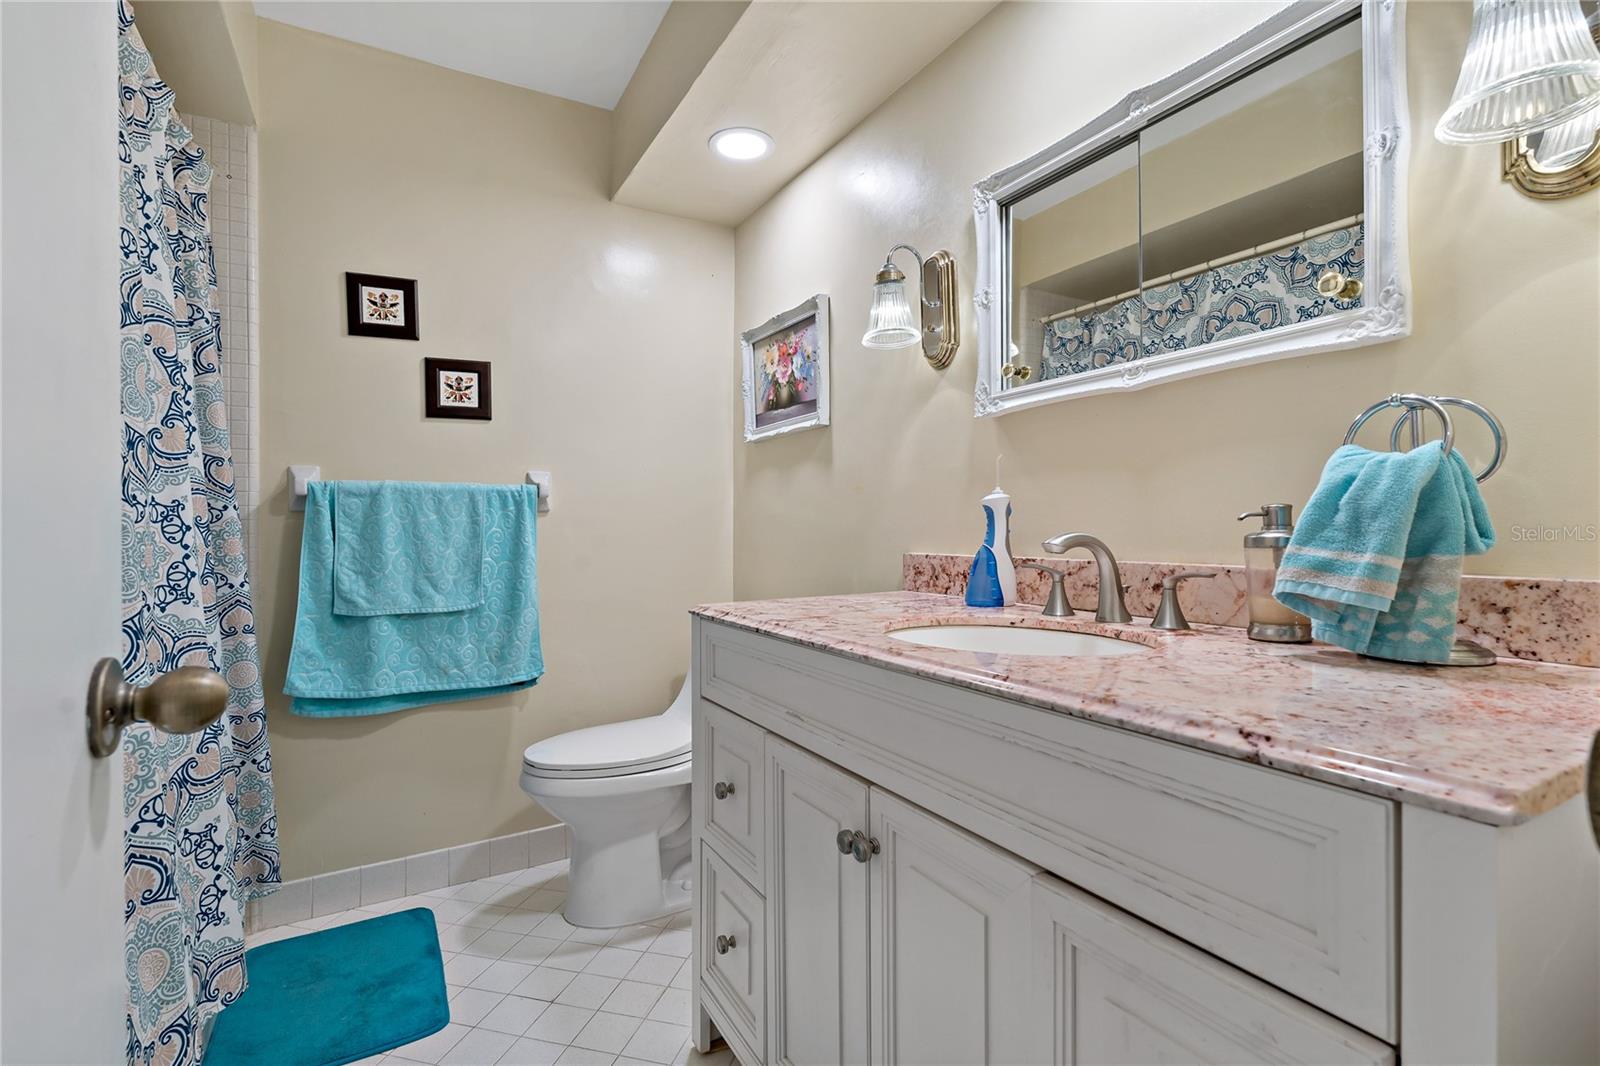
pixel 1565 145
pixel 1530 65
pixel 890 323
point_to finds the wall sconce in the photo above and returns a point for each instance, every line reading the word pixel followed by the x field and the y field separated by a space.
pixel 889 323
pixel 1529 67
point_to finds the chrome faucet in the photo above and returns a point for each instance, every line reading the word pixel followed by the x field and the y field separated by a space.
pixel 1112 607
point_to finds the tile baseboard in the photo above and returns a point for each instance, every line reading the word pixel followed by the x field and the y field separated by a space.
pixel 1549 620
pixel 380 882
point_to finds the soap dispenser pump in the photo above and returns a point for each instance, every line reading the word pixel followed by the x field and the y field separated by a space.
pixel 1263 551
pixel 992 581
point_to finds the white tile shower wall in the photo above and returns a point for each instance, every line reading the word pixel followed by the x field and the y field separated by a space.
pixel 379 882
pixel 231 150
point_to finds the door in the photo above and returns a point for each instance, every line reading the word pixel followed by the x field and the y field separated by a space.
pixel 816 912
pixel 950 927
pixel 61 940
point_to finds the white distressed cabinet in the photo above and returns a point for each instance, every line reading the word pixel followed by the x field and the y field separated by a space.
pixel 817 903
pixel 897 870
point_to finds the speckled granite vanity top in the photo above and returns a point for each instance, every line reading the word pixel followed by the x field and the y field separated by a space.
pixel 1497 744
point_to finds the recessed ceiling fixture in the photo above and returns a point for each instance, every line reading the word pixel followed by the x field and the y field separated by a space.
pixel 741 143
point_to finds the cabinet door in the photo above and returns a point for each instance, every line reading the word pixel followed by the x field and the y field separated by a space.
pixel 1111 989
pixel 816 912
pixel 950 961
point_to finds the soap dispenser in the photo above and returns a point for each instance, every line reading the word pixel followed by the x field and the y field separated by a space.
pixel 1263 551
pixel 992 581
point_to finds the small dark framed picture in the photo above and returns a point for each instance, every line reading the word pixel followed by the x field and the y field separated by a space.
pixel 457 388
pixel 379 306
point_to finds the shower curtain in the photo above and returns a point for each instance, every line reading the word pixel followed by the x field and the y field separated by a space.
pixel 201 827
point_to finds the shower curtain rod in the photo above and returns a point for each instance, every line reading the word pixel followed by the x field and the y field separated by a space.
pixel 1179 275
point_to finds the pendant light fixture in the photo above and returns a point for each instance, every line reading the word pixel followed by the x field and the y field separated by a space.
pixel 1530 65
pixel 890 323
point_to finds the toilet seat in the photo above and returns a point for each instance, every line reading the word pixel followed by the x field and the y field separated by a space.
pixel 619 748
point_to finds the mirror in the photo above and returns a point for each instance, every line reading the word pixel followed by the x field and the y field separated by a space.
pixel 1074 265
pixel 1221 216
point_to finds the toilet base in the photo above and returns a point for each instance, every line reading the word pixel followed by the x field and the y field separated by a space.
pixel 605 889
pixel 628 852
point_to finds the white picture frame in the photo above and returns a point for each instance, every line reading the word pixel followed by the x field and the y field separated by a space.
pixel 1384 315
pixel 806 324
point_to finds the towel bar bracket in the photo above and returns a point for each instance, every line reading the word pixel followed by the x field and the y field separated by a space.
pixel 299 478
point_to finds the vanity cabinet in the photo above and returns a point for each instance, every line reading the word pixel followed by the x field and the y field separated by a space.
pixel 899 870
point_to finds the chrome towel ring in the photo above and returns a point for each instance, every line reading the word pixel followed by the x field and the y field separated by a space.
pixel 1411 417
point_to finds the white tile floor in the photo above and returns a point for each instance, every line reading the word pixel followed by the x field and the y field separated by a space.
pixel 527 989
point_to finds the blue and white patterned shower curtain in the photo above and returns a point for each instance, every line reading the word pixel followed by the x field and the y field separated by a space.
pixel 1235 300
pixel 201 826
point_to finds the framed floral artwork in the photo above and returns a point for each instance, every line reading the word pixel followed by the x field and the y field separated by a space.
pixel 786 371
pixel 456 388
pixel 379 306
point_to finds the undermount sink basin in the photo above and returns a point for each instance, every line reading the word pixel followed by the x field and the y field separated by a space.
pixel 1016 640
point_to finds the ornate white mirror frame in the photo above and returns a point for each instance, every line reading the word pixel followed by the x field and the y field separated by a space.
pixel 1384 313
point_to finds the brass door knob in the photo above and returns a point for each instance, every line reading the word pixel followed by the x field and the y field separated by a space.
pixel 186 700
pixel 1332 283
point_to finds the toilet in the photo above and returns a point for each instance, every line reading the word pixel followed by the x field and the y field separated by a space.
pixel 623 791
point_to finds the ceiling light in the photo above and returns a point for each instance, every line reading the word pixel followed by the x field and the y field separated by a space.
pixel 741 143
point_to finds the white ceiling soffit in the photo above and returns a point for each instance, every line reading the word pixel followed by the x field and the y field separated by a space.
pixel 806 73
pixel 581 51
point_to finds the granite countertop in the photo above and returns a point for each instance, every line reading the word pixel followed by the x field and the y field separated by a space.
pixel 1497 744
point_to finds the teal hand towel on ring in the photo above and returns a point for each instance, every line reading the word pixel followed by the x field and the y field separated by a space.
pixel 1375 561
pixel 405 602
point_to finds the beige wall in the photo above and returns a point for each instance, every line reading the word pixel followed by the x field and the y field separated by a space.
pixel 206 50
pixel 1506 298
pixel 605 327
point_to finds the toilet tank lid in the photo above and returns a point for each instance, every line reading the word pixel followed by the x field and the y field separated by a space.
pixel 617 745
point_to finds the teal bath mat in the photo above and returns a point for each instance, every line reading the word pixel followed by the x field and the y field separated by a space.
pixel 337 995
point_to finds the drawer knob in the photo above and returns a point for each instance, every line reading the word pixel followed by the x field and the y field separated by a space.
pixel 722 789
pixel 855 842
pixel 726 944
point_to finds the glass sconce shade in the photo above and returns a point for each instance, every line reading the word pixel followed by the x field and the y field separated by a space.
pixel 1565 145
pixel 1530 65
pixel 890 323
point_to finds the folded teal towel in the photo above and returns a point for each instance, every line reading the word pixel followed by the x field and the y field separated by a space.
pixel 343 665
pixel 1375 561
pixel 403 547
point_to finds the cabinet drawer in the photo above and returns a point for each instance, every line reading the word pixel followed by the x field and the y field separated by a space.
pixel 1111 989
pixel 728 752
pixel 1290 879
pixel 734 978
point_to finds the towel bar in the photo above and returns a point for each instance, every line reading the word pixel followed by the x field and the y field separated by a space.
pixel 301 476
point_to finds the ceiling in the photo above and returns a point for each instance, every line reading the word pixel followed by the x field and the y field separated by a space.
pixel 804 71
pixel 577 50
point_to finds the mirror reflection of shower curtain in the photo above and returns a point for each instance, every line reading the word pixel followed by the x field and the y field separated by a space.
pixel 201 825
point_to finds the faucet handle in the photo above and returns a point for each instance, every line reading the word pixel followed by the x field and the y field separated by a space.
pixel 1169 615
pixel 1055 605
